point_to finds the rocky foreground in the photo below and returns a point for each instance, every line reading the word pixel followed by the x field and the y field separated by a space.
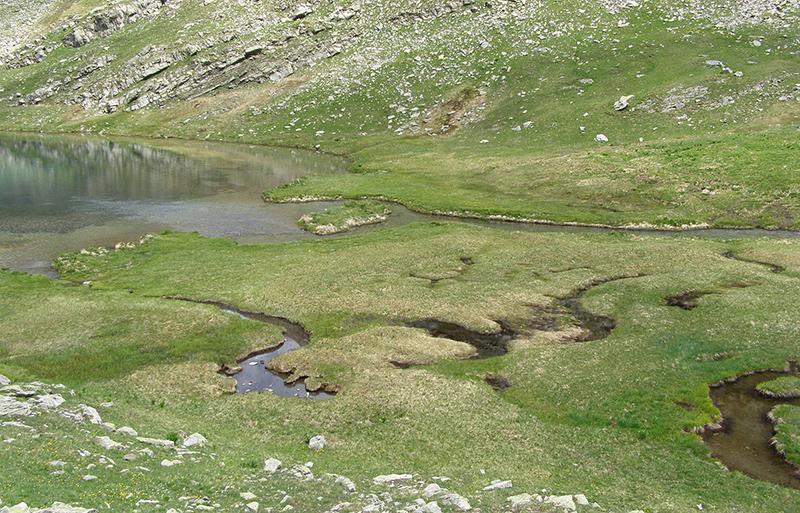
pixel 32 410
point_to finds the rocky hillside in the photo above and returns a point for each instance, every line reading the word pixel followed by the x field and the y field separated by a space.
pixel 309 71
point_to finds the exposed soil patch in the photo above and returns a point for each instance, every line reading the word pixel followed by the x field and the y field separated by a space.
pixel 685 301
pixel 487 344
pixel 775 268
pixel 497 381
pixel 546 318
pixel 595 326
pixel 252 374
pixel 743 439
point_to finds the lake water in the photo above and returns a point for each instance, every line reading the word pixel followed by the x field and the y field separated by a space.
pixel 60 194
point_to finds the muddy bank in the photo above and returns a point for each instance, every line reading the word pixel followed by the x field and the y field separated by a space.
pixel 743 439
pixel 546 318
pixel 402 215
pixel 251 373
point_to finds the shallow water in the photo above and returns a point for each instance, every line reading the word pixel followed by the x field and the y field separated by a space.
pixel 60 194
pixel 252 374
pixel 744 442
pixel 65 193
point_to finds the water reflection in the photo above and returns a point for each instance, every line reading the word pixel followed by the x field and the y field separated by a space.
pixel 64 193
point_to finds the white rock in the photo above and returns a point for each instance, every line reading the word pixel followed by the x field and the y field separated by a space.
pixel 252 506
pixel 19 508
pixel 391 478
pixel 170 463
pixel 89 477
pixel 49 401
pixel 563 501
pixel 4 381
pixel 155 441
pixel 248 496
pixel 272 465
pixel 195 439
pixel 457 501
pixel 432 490
pixel 318 442
pixel 601 138
pixel 431 507
pixel 497 485
pixel 622 103
pixel 90 413
pixel 12 407
pixel 581 500
pixel 346 483
pixel 520 501
pixel 109 444
pixel 60 507
pixel 126 430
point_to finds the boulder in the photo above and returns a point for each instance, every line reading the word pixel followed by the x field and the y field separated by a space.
pixel 156 441
pixel 318 442
pixel 565 502
pixel 13 408
pixel 391 478
pixel 520 501
pixel 497 485
pixel 456 501
pixel 272 465
pixel 125 430
pixel 622 103
pixel 60 507
pixel 346 483
pixel 109 444
pixel 193 440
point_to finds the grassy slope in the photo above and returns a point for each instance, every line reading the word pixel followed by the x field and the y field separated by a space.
pixel 626 430
pixel 731 165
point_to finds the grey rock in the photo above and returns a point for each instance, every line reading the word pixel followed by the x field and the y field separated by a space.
pixel 456 501
pixel 156 441
pixel 272 465
pixel 12 408
pixel 498 485
pixel 316 443
pixel 566 502
pixel 391 478
pixel 346 483
pixel 193 440
pixel 520 501
pixel 109 444
pixel 4 381
pixel 622 103
pixel 129 431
